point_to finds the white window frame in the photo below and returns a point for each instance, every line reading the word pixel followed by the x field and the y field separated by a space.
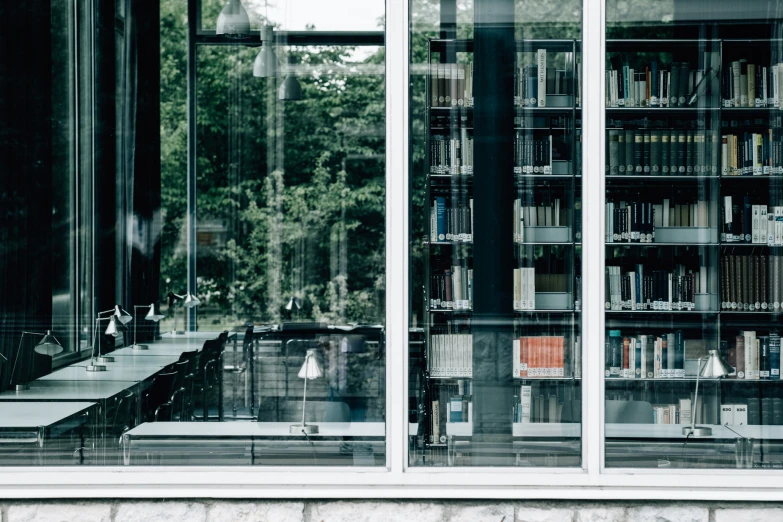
pixel 397 479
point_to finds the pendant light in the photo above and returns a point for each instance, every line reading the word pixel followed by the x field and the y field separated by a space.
pixel 233 20
pixel 266 63
pixel 290 89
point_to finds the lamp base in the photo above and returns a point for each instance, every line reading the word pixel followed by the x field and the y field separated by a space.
pixel 308 429
pixel 96 368
pixel 698 431
pixel 22 387
pixel 176 332
pixel 104 359
pixel 139 347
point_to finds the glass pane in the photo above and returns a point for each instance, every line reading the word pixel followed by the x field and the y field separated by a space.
pixel 692 343
pixel 207 244
pixel 495 184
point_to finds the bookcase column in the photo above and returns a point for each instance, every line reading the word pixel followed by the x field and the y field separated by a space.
pixel 492 325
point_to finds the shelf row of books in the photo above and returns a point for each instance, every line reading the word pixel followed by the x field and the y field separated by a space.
pixel 540 405
pixel 754 357
pixel 536 85
pixel 451 403
pixel 751 282
pixel 662 152
pixel 536 155
pixel 745 222
pixel 655 289
pixel 752 153
pixel 645 356
pixel 452 290
pixel 540 357
pixel 451 84
pixel 765 411
pixel 451 223
pixel 451 355
pixel 747 84
pixel 451 154
pixel 545 214
pixel 660 85
pixel 636 222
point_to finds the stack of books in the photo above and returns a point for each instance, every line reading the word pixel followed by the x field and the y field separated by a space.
pixel 539 357
pixel 751 282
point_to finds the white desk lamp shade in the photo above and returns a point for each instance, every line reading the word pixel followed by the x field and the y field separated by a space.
pixel 48 345
pixel 121 315
pixel 310 368
pixel 154 314
pixel 714 366
pixel 191 300
pixel 112 328
pixel 233 19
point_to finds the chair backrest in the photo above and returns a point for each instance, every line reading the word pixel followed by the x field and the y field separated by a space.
pixel 122 417
pixel 629 412
pixel 159 391
pixel 181 369
pixel 192 358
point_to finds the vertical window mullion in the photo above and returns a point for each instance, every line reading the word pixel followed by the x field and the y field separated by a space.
pixel 593 44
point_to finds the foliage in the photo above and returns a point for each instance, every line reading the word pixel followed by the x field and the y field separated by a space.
pixel 290 195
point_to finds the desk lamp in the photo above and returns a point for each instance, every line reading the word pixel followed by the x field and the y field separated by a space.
pixel 152 315
pixel 188 301
pixel 714 367
pixel 309 370
pixel 48 345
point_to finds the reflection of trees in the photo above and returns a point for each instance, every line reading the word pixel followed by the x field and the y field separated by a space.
pixel 300 185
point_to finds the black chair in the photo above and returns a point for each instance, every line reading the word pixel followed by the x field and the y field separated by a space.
pixel 192 358
pixel 179 390
pixel 156 397
pixel 121 419
pixel 205 379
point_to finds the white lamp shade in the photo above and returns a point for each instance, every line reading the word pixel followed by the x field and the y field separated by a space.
pixel 266 63
pixel 121 315
pixel 310 368
pixel 290 89
pixel 714 366
pixel 48 345
pixel 154 314
pixel 112 328
pixel 191 300
pixel 233 20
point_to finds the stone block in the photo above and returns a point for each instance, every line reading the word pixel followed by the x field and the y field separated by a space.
pixel 162 511
pixel 362 511
pixel 748 515
pixel 248 511
pixel 484 512
pixel 670 513
pixel 600 514
pixel 539 514
pixel 59 512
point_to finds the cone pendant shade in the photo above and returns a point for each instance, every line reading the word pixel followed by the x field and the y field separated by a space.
pixel 233 20
pixel 290 89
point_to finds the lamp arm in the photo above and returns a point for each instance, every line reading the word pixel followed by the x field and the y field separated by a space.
pixel 304 397
pixel 694 409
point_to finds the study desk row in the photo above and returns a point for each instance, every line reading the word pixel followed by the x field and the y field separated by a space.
pixel 74 402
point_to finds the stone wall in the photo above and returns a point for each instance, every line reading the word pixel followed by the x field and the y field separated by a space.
pixel 385 511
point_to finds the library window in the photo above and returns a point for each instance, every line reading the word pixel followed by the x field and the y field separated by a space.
pixel 692 238
pixel 193 250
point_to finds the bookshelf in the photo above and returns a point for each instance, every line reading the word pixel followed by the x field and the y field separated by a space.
pixel 711 263
pixel 546 246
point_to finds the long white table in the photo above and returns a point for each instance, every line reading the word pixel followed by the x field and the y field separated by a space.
pixel 117 373
pixel 43 390
pixel 256 441
pixel 34 424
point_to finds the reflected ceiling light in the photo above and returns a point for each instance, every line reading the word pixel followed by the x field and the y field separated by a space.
pixel 233 20
pixel 266 63
pixel 290 89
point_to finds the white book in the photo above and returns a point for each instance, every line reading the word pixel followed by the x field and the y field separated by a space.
pixel 516 366
pixel 685 411
pixel 740 414
pixel 517 289
pixel 541 69
pixel 763 224
pixel 531 287
pixel 724 156
pixel 525 395
pixel 755 225
pixel 666 213
pixel 727 414
pixel 749 338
